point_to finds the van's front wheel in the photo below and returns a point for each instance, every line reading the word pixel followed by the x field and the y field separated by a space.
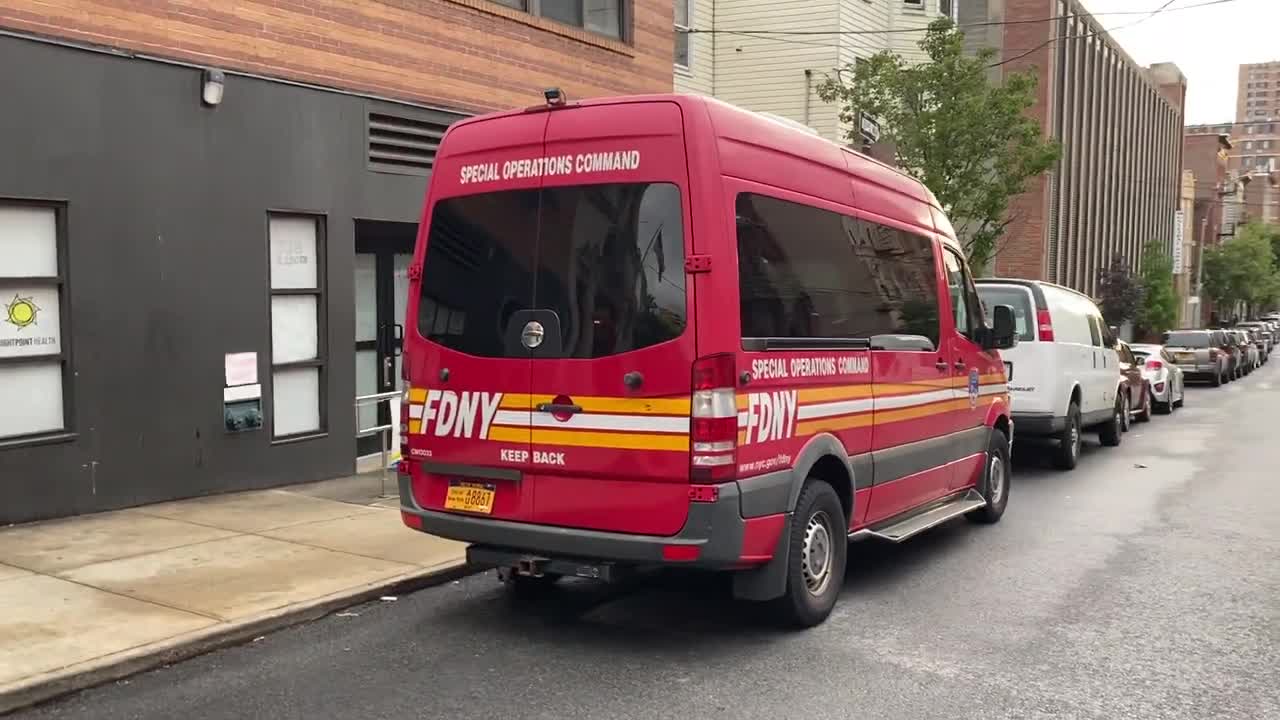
pixel 818 551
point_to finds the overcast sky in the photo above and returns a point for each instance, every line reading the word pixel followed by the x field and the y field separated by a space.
pixel 1207 43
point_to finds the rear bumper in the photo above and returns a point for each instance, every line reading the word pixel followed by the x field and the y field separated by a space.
pixel 715 535
pixel 1038 424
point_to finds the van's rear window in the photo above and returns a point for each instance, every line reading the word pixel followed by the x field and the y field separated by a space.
pixel 608 260
pixel 1187 339
pixel 1018 300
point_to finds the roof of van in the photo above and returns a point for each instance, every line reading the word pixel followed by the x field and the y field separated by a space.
pixel 782 134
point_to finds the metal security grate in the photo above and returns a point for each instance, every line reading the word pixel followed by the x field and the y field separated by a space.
pixel 403 145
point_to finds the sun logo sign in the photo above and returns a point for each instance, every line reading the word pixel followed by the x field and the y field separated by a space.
pixel 21 312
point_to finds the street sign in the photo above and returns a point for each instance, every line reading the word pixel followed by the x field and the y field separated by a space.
pixel 869 127
pixel 1179 236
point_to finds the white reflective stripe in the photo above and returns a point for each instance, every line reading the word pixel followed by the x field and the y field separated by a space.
pixel 997 389
pixel 415 412
pixel 901 401
pixel 829 409
pixel 519 418
pixel 588 421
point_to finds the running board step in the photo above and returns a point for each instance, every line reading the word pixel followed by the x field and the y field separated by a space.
pixel 900 530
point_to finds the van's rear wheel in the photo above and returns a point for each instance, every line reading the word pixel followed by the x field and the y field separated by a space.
pixel 815 565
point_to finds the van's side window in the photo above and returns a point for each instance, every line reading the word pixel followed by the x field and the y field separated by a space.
pixel 1095 330
pixel 966 306
pixel 804 272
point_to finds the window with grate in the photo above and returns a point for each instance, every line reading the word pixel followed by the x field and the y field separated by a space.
pixel 401 144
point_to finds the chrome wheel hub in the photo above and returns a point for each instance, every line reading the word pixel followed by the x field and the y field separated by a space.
pixel 995 480
pixel 816 557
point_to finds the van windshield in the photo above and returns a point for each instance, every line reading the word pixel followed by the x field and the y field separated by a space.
pixel 607 259
pixel 1018 300
pixel 1187 339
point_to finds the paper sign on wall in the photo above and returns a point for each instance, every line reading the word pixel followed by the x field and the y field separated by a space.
pixel 241 368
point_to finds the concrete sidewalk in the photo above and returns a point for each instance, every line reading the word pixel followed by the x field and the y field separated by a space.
pixel 90 599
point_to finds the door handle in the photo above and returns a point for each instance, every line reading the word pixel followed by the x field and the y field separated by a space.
pixel 941 365
pixel 558 408
pixel 959 365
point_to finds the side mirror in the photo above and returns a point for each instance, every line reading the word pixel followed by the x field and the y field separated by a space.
pixel 1004 332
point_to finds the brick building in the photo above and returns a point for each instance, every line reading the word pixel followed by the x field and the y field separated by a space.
pixel 207 213
pixel 1257 127
pixel 1120 125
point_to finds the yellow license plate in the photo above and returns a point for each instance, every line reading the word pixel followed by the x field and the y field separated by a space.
pixel 470 497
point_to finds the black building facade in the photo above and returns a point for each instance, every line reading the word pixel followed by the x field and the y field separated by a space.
pixel 192 293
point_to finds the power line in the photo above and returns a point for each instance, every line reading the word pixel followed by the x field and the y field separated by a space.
pixel 924 28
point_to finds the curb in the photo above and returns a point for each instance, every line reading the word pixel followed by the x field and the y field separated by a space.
pixel 83 676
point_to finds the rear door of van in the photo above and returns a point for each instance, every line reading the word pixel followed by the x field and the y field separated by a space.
pixel 611 380
pixel 466 366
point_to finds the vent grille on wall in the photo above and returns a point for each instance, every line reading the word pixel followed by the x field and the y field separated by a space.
pixel 403 145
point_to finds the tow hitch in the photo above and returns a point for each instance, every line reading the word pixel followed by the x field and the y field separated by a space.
pixel 513 563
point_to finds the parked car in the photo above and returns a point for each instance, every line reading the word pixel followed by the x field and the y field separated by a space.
pixel 1248 351
pixel 1135 393
pixel 1265 336
pixel 1235 360
pixel 1198 354
pixel 1064 374
pixel 714 407
pixel 1164 377
pixel 1261 338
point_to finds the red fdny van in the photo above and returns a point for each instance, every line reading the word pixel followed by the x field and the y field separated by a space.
pixel 663 330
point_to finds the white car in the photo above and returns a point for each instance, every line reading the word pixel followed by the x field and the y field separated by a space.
pixel 1162 372
pixel 1064 373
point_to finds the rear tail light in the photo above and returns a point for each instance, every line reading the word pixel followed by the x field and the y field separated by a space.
pixel 1213 354
pixel 713 417
pixel 1045 323
pixel 1159 387
pixel 1154 364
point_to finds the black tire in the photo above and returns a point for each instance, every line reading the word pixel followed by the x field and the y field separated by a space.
pixel 1182 399
pixel 1125 416
pixel 996 474
pixel 802 605
pixel 1144 415
pixel 1217 380
pixel 1067 455
pixel 1109 432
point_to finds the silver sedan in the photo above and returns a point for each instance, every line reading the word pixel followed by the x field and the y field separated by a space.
pixel 1165 377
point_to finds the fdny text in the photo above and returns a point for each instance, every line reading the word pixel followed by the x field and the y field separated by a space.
pixel 770 416
pixel 463 415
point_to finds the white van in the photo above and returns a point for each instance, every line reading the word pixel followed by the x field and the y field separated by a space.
pixel 1064 374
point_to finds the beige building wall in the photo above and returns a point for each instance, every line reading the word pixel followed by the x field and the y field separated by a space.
pixel 698 76
pixel 777 74
pixel 909 14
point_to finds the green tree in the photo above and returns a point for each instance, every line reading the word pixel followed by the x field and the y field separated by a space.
pixel 1242 269
pixel 1120 294
pixel 1159 309
pixel 970 142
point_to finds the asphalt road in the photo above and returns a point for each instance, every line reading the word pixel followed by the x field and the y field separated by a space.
pixel 1146 584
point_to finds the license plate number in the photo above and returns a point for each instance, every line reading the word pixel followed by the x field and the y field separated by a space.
pixel 1008 372
pixel 470 497
pixel 1189 358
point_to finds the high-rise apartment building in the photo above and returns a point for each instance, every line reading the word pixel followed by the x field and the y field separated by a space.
pixel 1257 132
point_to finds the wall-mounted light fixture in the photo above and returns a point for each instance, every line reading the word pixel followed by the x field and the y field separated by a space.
pixel 211 86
